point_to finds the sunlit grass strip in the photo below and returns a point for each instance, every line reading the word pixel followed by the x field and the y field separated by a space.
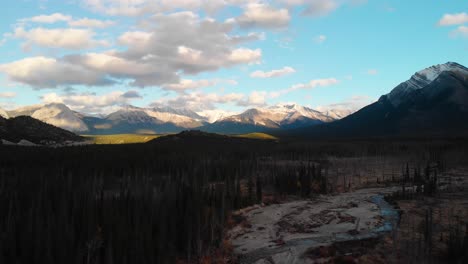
pixel 258 136
pixel 120 139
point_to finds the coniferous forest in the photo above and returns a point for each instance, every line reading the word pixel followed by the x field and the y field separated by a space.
pixel 171 201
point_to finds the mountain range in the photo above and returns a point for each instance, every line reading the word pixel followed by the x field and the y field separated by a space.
pixel 433 102
pixel 131 119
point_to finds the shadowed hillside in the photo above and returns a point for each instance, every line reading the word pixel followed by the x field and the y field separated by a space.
pixel 33 130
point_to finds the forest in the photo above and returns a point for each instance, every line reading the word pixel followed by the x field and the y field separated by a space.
pixel 172 199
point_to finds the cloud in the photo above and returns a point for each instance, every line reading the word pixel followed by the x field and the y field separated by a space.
pixel 187 84
pixel 7 94
pixel 131 94
pixel 48 19
pixel 256 98
pixel 166 47
pixel 199 101
pixel 320 39
pixel 140 7
pixel 92 103
pixel 44 72
pixel 91 23
pixel 351 104
pixel 273 73
pixel 263 16
pixel 372 72
pixel 314 8
pixel 319 8
pixel 310 85
pixel 460 31
pixel 58 17
pixel 453 19
pixel 66 38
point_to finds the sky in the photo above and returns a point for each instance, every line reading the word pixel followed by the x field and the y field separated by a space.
pixel 221 55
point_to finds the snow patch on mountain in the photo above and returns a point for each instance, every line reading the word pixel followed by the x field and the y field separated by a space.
pixel 3 113
pixel 136 115
pixel 60 115
pixel 420 80
pixel 278 115
pixel 179 112
pixel 215 114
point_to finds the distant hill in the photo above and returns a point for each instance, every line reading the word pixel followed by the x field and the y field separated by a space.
pixel 433 102
pixel 27 128
pixel 196 140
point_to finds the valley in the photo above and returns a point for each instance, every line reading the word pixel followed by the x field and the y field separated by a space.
pixel 282 184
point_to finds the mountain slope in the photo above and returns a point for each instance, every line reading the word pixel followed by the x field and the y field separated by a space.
pixel 27 128
pixel 55 114
pixel 137 120
pixel 3 113
pixel 436 105
pixel 267 119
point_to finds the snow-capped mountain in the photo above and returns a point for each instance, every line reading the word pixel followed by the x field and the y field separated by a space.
pixel 134 115
pixel 275 117
pixel 3 113
pixel 131 119
pixel 337 114
pixel 434 102
pixel 55 114
pixel 214 115
pixel 421 79
pixel 180 112
pixel 278 115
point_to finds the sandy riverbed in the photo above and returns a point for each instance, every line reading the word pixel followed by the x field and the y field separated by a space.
pixel 283 233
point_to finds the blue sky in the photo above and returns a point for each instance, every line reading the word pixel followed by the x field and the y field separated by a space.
pixel 96 55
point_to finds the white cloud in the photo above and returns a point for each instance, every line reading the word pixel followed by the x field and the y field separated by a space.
pixel 244 55
pixel 165 48
pixel 58 17
pixel 347 106
pixel 310 85
pixel 48 19
pixel 453 19
pixel 320 39
pixel 199 101
pixel 263 15
pixel 136 39
pixel 91 23
pixel 66 38
pixel 140 7
pixel 188 84
pixel 372 72
pixel 257 98
pixel 460 31
pixel 273 73
pixel 7 94
pixel 43 72
pixel 92 103
pixel 315 8
pixel 117 7
pixel 318 8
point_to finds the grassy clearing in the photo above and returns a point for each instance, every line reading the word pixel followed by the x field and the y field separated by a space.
pixel 120 139
pixel 258 136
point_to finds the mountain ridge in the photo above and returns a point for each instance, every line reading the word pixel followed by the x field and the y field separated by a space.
pixel 439 108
